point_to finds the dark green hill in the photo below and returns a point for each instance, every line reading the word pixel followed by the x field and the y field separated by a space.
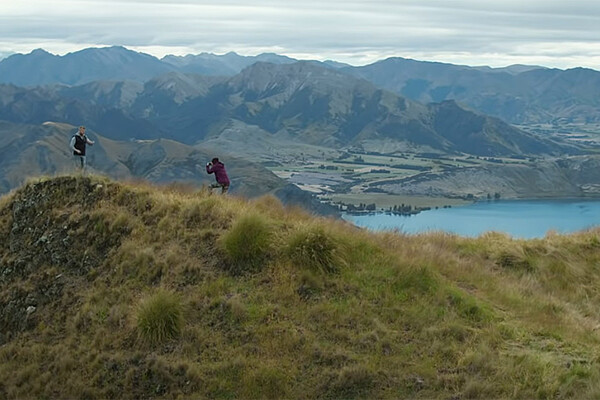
pixel 221 65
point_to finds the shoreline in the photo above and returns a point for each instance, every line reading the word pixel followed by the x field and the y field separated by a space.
pixel 362 203
pixel 385 201
pixel 483 201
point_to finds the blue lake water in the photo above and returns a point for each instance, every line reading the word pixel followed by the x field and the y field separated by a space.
pixel 518 218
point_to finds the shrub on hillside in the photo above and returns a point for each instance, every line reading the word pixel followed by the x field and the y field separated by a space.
pixel 159 317
pixel 314 249
pixel 248 243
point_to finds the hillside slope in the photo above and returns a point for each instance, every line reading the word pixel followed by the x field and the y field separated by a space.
pixel 110 290
pixel 34 150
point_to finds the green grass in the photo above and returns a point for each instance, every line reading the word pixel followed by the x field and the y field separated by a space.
pixel 248 243
pixel 159 317
pixel 151 292
pixel 313 248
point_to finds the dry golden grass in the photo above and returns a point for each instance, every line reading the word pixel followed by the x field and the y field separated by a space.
pixel 269 302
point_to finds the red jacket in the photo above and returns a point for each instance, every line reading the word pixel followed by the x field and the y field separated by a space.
pixel 219 170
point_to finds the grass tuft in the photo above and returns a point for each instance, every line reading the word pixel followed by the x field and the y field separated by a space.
pixel 248 243
pixel 314 249
pixel 159 317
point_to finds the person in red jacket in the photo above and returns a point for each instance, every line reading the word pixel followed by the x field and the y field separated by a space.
pixel 218 168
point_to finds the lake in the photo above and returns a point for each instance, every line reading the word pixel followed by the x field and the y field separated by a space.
pixel 518 218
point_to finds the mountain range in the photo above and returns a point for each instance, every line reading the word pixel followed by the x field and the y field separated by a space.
pixel 156 119
pixel 299 102
pixel 521 94
pixel 518 94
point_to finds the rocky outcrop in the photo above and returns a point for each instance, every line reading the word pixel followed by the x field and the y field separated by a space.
pixel 53 240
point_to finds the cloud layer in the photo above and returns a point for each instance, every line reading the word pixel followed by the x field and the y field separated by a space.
pixel 474 32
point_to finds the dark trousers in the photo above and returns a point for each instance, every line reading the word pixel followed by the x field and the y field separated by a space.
pixel 224 186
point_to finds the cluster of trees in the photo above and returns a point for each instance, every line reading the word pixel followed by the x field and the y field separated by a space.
pixel 361 207
pixel 407 209
pixel 402 208
pixel 330 167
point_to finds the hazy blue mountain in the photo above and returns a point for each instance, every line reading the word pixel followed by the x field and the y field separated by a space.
pixel 511 69
pixel 221 65
pixel 335 64
pixel 520 94
pixel 427 81
pixel 109 63
pixel 517 94
pixel 37 67
pixel 117 63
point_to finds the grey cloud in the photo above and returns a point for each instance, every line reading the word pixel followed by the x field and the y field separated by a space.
pixel 351 27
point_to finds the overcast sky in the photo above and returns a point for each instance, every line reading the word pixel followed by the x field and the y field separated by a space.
pixel 552 33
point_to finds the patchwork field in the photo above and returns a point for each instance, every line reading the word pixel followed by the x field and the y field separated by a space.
pixel 352 178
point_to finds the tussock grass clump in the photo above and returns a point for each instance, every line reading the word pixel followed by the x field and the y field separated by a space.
pixel 270 204
pixel 248 243
pixel 313 248
pixel 159 317
pixel 205 212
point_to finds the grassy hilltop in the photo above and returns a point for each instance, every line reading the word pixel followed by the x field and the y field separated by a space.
pixel 114 290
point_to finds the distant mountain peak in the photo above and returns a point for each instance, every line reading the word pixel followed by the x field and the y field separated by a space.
pixel 40 51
